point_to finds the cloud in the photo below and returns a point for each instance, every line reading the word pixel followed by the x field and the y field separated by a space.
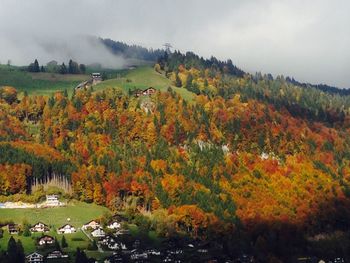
pixel 48 30
pixel 308 40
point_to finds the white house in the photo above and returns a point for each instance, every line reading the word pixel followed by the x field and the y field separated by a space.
pixel 91 225
pixel 35 258
pixel 114 225
pixel 52 200
pixel 149 91
pixel 66 229
pixel 96 78
pixel 98 233
pixel 39 227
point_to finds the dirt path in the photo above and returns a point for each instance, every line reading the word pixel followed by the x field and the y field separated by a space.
pixel 91 239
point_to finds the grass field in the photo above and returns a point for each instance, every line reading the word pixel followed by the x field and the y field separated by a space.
pixel 78 212
pixel 38 83
pixel 49 83
pixel 142 78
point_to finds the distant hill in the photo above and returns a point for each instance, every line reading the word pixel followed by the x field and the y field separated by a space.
pixel 153 55
pixel 322 87
pixel 132 51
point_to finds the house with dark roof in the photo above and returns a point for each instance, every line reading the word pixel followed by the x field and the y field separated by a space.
pixel 66 229
pixel 13 229
pixel 39 227
pixel 35 258
pixel 46 240
pixel 93 224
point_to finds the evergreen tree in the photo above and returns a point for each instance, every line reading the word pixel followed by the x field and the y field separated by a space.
pixel 73 67
pixel 189 81
pixel 65 93
pixel 82 68
pixel 11 250
pixel 178 82
pixel 20 252
pixel 26 230
pixel 42 69
pixel 57 244
pixel 51 102
pixel 64 242
pixel 81 257
pixel 63 69
pixel 36 66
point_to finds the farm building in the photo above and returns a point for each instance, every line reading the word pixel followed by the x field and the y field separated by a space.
pixel 91 225
pixel 66 229
pixel 39 227
pixel 96 78
pixel 52 200
pixel 98 233
pixel 13 229
pixel 149 91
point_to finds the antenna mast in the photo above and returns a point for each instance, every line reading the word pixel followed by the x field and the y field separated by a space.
pixel 167 47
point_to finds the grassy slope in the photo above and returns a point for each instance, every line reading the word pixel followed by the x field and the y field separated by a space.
pixel 79 213
pixel 142 78
pixel 38 83
pixel 48 83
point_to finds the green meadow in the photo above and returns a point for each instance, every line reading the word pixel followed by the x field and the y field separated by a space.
pixel 142 78
pixel 43 83
pixel 38 83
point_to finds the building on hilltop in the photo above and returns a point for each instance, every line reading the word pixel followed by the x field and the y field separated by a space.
pixel 146 92
pixel 96 78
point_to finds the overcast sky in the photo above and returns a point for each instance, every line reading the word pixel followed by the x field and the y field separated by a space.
pixel 309 40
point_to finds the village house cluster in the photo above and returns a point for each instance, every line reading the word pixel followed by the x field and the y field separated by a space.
pixel 93 229
pixel 115 237
pixel 112 237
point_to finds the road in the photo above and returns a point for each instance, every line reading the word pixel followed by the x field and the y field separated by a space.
pixel 89 237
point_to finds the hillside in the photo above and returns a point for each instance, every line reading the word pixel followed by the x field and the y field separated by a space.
pixel 142 78
pixel 266 160
pixel 38 83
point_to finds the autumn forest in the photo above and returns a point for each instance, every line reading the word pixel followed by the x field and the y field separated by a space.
pixel 253 162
